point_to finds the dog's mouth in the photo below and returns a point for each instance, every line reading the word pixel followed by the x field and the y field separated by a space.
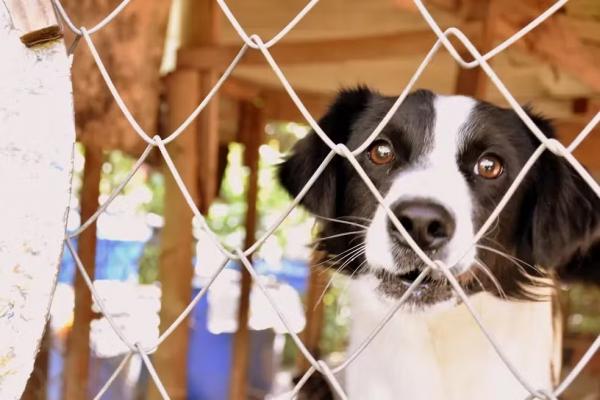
pixel 427 292
pixel 411 276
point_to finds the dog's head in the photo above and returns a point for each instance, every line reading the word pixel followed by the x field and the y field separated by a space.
pixel 442 164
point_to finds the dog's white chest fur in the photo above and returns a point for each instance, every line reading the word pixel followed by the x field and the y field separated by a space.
pixel 443 355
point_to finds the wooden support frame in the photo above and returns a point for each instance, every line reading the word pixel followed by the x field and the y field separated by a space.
pixel 252 131
pixel 324 51
pixel 38 380
pixel 195 154
pixel 553 41
pixel 76 373
pixel 474 82
pixel 311 336
pixel 175 264
pixel 587 152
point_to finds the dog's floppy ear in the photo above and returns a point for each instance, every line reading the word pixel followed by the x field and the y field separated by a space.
pixel 309 152
pixel 566 216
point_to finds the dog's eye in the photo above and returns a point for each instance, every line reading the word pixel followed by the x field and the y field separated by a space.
pixel 381 152
pixel 489 166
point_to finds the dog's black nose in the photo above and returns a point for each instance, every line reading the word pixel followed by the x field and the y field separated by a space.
pixel 429 224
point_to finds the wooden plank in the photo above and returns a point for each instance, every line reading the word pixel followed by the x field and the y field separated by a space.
pixel 241 89
pixel 318 51
pixel 311 335
pixel 177 241
pixel 473 82
pixel 587 152
pixel 201 27
pixel 208 132
pixel 76 372
pixel 37 384
pixel 280 107
pixel 252 130
pixel 553 41
pixel 35 19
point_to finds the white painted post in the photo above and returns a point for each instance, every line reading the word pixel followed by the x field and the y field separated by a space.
pixel 37 135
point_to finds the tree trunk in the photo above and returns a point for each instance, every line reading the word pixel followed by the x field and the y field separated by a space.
pixel 36 153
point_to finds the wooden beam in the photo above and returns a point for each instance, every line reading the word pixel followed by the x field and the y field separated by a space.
pixel 588 151
pixel 394 45
pixel 177 241
pixel 76 373
pixel 201 27
pixel 473 82
pixel 35 19
pixel 37 384
pixel 252 129
pixel 241 89
pixel 280 107
pixel 553 41
pixel 311 336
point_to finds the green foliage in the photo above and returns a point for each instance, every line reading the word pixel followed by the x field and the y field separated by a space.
pixel 334 337
pixel 148 271
pixel 583 307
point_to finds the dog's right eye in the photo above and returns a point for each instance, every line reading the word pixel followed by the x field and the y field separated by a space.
pixel 381 152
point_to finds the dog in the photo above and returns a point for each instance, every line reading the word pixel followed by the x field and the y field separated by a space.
pixel 442 165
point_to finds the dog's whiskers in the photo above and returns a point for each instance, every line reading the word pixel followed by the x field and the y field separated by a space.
pixel 341 221
pixel 474 275
pixel 483 267
pixel 333 258
pixel 353 256
pixel 320 239
pixel 514 260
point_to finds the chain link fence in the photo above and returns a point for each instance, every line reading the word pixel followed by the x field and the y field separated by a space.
pixel 256 43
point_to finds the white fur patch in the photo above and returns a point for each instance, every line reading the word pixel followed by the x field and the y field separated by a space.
pixel 441 354
pixel 436 177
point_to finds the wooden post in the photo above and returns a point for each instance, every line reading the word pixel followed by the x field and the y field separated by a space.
pixel 177 241
pixel 314 310
pixel 200 27
pixel 252 127
pixel 37 383
pixel 75 376
pixel 474 82
pixel 195 154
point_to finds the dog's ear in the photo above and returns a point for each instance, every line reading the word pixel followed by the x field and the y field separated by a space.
pixel 566 216
pixel 310 151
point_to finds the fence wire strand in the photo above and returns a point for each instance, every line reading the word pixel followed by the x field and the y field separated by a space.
pixel 256 43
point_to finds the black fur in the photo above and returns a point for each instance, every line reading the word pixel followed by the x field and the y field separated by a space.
pixel 552 220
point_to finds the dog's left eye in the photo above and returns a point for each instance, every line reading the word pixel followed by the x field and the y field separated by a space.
pixel 489 166
pixel 381 152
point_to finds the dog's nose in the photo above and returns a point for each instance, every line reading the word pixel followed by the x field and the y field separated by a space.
pixel 428 223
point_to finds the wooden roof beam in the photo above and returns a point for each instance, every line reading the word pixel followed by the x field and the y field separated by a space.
pixel 319 51
pixel 553 41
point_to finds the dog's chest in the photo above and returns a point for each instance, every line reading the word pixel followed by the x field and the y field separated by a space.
pixel 443 355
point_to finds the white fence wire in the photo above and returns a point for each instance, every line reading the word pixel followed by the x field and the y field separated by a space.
pixel 256 43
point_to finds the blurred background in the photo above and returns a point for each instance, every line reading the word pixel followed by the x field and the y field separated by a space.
pixel 149 260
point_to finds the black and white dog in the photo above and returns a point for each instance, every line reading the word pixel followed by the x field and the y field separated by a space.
pixel 442 164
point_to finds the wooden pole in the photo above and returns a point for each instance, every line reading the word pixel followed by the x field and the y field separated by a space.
pixel 252 127
pixel 195 154
pixel 311 336
pixel 200 27
pixel 474 82
pixel 177 242
pixel 37 383
pixel 76 373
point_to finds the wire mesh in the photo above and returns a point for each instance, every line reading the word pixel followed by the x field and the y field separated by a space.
pixel 256 43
